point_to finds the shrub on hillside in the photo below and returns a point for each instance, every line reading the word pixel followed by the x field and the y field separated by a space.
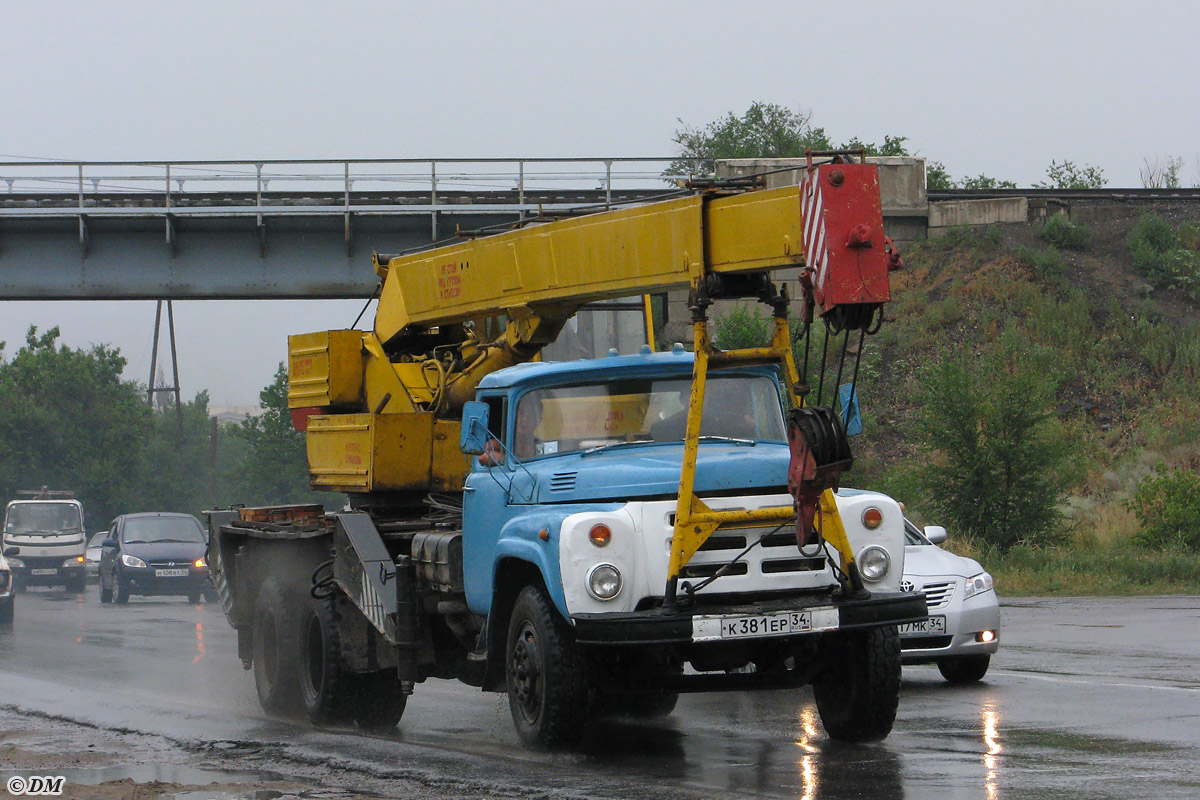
pixel 997 465
pixel 743 326
pixel 1164 256
pixel 1153 232
pixel 1045 263
pixel 1062 233
pixel 1168 506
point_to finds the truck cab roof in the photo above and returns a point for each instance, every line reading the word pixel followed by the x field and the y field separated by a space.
pixel 675 363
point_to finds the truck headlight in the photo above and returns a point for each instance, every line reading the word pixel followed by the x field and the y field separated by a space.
pixel 16 563
pixel 979 584
pixel 132 561
pixel 874 563
pixel 604 582
pixel 73 562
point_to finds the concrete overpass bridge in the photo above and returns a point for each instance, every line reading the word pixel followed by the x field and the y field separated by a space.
pixel 270 229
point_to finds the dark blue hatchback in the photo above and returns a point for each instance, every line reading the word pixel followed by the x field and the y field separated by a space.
pixel 155 553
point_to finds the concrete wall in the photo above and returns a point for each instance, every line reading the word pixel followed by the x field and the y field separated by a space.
pixel 950 213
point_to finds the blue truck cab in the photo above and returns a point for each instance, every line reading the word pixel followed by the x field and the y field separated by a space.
pixel 575 485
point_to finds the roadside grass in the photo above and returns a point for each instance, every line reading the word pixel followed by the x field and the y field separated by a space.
pixel 1113 567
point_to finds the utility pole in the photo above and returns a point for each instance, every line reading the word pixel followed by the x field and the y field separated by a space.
pixel 151 390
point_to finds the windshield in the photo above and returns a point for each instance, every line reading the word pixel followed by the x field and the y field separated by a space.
pixel 569 418
pixel 163 529
pixel 43 518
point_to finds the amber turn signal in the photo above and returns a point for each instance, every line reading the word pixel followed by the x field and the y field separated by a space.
pixel 600 535
pixel 872 518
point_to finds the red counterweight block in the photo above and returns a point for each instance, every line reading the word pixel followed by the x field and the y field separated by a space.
pixel 844 243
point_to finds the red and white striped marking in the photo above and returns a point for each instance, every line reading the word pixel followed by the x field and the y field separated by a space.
pixel 812 208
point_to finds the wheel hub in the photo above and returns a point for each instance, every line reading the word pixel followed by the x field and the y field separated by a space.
pixel 525 668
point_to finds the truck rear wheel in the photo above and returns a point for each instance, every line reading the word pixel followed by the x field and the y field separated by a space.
pixel 381 701
pixel 333 695
pixel 276 652
pixel 6 613
pixel 858 691
pixel 547 688
pixel 325 683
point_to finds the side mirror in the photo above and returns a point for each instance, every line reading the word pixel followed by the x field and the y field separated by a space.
pixel 9 552
pixel 473 438
pixel 935 533
pixel 107 543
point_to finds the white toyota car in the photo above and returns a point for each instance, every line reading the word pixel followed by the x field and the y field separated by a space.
pixel 963 628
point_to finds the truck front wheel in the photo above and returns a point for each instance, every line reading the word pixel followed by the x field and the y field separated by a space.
pixel 547 688
pixel 858 690
pixel 276 648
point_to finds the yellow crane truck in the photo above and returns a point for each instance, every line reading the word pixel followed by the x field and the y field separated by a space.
pixel 591 537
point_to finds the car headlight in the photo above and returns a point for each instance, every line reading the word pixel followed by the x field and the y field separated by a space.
pixel 874 563
pixel 979 584
pixel 132 561
pixel 604 582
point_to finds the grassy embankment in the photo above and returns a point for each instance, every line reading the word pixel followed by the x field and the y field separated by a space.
pixel 1121 335
pixel 1125 349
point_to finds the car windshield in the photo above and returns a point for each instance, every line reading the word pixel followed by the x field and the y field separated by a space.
pixel 564 419
pixel 162 529
pixel 43 518
pixel 96 540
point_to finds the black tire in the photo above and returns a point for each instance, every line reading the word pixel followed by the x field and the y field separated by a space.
pixel 194 598
pixel 332 693
pixel 106 593
pixel 547 686
pixel 276 651
pixel 381 701
pixel 76 585
pixel 6 613
pixel 120 592
pixel 325 683
pixel 964 669
pixel 858 690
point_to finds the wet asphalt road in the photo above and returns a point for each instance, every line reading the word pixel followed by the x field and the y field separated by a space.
pixel 1088 698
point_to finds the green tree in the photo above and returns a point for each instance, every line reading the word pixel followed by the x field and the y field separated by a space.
pixel 275 467
pixel 996 464
pixel 937 177
pixel 982 181
pixel 68 421
pixel 765 130
pixel 1069 175
pixel 892 146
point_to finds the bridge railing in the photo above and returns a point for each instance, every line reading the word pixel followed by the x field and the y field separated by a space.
pixel 152 188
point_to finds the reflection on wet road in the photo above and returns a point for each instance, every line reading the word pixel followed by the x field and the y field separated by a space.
pixel 1087 698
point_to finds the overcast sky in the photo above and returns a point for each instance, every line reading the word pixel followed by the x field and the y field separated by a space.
pixel 999 88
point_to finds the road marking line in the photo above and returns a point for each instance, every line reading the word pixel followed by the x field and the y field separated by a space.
pixel 1053 679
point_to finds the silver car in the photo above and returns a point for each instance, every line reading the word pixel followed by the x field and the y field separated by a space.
pixel 91 556
pixel 963 628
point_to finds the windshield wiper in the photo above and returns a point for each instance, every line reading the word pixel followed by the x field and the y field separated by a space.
pixel 600 447
pixel 708 438
pixel 180 541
